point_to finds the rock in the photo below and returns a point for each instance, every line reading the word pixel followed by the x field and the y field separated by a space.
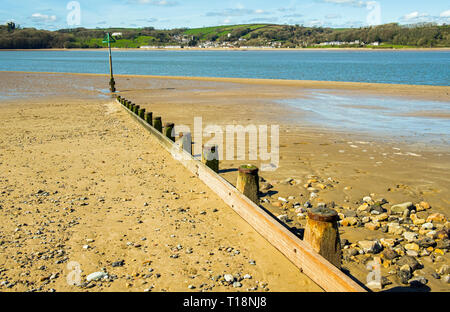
pixel 372 226
pixel 443 244
pixel 350 252
pixel 237 285
pixel 410 236
pixel 446 279
pixel 404 276
pixel 405 267
pixel 412 246
pixel 283 218
pixel 412 253
pixel 428 226
pixel 390 254
pixel 400 208
pixel 367 199
pixel 364 207
pixel 191 287
pixel 118 264
pixel 418 281
pixel 349 221
pixel 388 242
pixel 370 246
pixel 424 205
pixel 228 278
pixel 418 221
pixel 381 217
pixel 426 242
pixel 444 270
pixel 277 204
pixel 377 208
pixel 436 276
pixel 96 276
pixel 247 276
pixel 411 261
pixel 395 228
pixel 436 217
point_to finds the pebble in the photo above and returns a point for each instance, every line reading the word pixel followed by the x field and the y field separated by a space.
pixel 283 218
pixel 410 236
pixel 237 285
pixel 418 281
pixel 428 226
pixel 444 270
pixel 400 208
pixel 411 261
pixel 96 276
pixel 229 278
pixel 436 217
pixel 247 276
pixel 118 263
pixel 370 246
pixel 412 246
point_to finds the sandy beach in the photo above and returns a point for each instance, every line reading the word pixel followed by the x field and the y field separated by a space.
pixel 76 171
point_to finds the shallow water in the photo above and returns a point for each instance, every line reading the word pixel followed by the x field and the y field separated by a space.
pixel 385 116
pixel 399 67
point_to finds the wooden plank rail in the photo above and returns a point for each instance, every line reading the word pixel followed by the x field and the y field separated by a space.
pixel 316 267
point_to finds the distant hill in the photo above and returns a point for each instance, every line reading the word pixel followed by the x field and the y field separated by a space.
pixel 250 35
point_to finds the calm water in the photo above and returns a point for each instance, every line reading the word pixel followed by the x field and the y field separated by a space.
pixel 413 120
pixel 402 67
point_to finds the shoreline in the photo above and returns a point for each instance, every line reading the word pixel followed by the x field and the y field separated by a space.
pixel 242 49
pixel 402 90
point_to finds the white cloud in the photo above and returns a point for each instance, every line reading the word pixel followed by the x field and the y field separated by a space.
pixel 414 16
pixel 445 14
pixel 157 2
pixel 44 18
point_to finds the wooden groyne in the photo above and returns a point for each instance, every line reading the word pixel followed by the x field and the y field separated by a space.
pixel 299 252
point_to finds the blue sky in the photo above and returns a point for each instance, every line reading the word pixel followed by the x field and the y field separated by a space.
pixel 164 14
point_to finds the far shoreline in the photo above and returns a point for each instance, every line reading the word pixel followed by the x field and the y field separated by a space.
pixel 244 49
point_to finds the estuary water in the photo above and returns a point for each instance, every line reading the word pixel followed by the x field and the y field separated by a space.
pixel 395 67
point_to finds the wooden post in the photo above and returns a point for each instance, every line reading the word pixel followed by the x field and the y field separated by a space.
pixel 136 109
pixel 142 113
pixel 168 131
pixel 131 107
pixel 149 118
pixel 157 124
pixel 210 157
pixel 322 234
pixel 186 142
pixel 248 182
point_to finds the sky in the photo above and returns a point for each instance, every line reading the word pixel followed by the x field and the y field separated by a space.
pixel 168 14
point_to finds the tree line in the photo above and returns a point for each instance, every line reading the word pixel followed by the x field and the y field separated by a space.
pixel 13 36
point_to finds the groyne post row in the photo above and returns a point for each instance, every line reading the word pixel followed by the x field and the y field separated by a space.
pixel 318 255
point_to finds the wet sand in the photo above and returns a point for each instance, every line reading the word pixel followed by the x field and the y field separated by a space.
pixel 348 165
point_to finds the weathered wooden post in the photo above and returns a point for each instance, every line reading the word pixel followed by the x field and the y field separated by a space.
pixel 142 113
pixel 248 182
pixel 210 157
pixel 149 118
pixel 157 124
pixel 131 106
pixel 322 234
pixel 168 131
pixel 136 109
pixel 186 142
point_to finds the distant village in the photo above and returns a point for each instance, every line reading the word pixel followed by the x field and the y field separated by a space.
pixel 184 40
